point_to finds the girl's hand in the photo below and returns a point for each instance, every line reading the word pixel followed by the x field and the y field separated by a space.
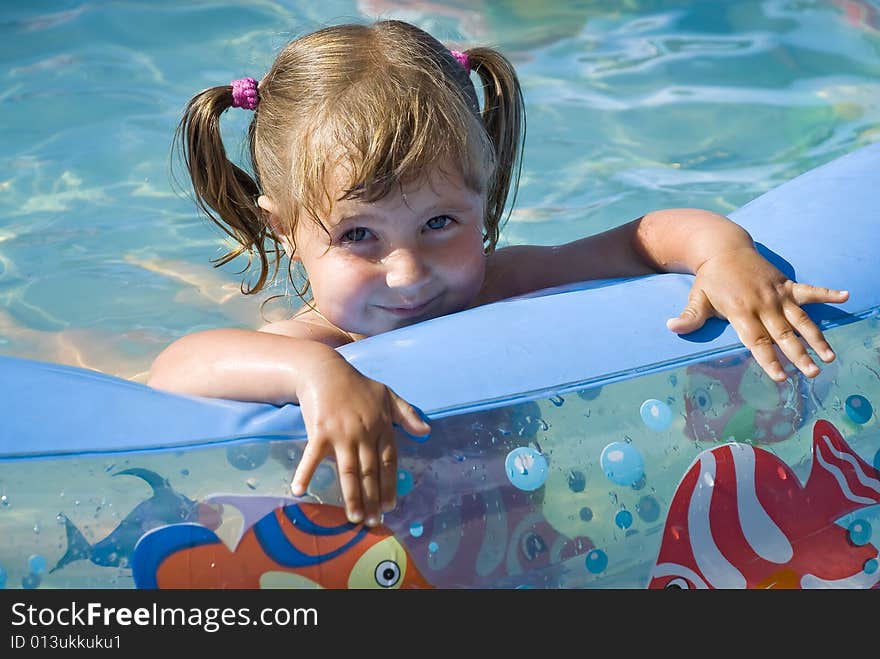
pixel 352 416
pixel 762 305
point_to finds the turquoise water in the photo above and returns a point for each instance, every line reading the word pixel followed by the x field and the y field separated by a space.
pixel 631 106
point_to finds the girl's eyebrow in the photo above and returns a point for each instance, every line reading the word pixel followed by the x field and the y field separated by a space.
pixel 353 218
pixel 365 215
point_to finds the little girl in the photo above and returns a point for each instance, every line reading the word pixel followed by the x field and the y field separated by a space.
pixel 379 170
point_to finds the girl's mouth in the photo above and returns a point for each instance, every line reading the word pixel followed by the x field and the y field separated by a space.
pixel 409 310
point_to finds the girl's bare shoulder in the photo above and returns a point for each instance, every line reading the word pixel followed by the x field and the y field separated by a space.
pixel 308 325
pixel 512 271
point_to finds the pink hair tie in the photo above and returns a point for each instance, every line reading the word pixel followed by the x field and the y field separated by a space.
pixel 462 58
pixel 244 94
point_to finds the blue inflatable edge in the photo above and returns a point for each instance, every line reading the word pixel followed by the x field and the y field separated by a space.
pixel 821 227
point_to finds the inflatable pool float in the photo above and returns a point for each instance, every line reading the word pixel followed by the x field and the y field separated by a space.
pixel 576 443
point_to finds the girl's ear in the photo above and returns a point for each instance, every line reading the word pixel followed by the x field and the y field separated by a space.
pixel 278 228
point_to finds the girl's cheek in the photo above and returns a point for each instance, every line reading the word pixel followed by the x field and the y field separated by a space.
pixel 470 270
pixel 357 283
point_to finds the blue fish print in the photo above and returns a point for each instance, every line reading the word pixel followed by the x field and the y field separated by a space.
pixel 165 506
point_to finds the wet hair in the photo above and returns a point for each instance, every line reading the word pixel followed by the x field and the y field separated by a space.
pixel 386 102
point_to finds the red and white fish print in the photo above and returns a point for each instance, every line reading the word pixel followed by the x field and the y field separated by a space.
pixel 741 519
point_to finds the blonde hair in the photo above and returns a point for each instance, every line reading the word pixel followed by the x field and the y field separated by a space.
pixel 386 101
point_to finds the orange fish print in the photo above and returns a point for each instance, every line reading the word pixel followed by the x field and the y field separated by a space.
pixel 293 545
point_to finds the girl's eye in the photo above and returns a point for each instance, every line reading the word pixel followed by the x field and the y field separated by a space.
pixel 439 222
pixel 355 235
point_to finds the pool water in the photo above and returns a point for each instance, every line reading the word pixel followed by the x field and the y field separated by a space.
pixel 631 106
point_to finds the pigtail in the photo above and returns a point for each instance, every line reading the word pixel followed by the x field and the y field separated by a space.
pixel 224 192
pixel 504 117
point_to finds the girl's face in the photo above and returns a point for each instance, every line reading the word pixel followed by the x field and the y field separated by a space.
pixel 413 255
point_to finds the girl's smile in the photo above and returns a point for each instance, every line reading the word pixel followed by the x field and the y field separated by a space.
pixel 409 310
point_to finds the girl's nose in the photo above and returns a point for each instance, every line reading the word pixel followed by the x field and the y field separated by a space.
pixel 404 268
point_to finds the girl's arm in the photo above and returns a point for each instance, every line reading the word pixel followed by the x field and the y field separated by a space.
pixel 732 279
pixel 344 412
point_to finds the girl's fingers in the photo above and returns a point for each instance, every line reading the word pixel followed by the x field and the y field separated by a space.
pixel 387 471
pixel 312 456
pixel 693 316
pixel 807 294
pixel 791 345
pixel 810 332
pixel 409 418
pixel 350 484
pixel 369 482
pixel 757 339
